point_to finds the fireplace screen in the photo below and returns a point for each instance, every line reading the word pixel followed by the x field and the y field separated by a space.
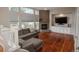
pixel 44 26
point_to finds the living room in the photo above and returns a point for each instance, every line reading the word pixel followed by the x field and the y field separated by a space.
pixel 39 29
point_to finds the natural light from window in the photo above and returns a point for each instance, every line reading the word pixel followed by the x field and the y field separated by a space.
pixel 27 10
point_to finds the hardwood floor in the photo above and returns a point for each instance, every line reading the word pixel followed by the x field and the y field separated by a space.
pixel 1 48
pixel 56 42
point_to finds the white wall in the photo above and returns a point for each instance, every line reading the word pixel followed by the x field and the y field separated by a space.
pixel 4 16
pixel 73 22
pixel 76 28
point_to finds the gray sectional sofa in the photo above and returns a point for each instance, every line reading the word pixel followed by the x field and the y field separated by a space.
pixel 26 34
pixel 28 41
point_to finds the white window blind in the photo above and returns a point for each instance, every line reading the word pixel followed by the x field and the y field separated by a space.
pixel 15 9
pixel 27 10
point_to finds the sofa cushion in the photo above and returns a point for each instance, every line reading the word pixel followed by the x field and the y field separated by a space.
pixel 28 46
pixel 23 31
pixel 27 35
pixel 36 42
pixel 21 41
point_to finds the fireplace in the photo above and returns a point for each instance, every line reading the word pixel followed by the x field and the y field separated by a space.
pixel 44 26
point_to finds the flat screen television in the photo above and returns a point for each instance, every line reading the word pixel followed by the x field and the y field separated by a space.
pixel 61 20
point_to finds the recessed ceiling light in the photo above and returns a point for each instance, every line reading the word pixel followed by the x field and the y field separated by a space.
pixel 61 14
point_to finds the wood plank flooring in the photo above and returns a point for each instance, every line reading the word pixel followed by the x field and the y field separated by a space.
pixel 56 42
pixel 1 48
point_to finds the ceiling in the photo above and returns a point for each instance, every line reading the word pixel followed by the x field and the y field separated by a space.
pixel 57 9
pixel 52 8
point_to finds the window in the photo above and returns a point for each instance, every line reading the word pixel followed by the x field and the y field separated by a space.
pixel 16 9
pixel 37 25
pixel 31 25
pixel 27 10
pixel 28 24
pixel 13 18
